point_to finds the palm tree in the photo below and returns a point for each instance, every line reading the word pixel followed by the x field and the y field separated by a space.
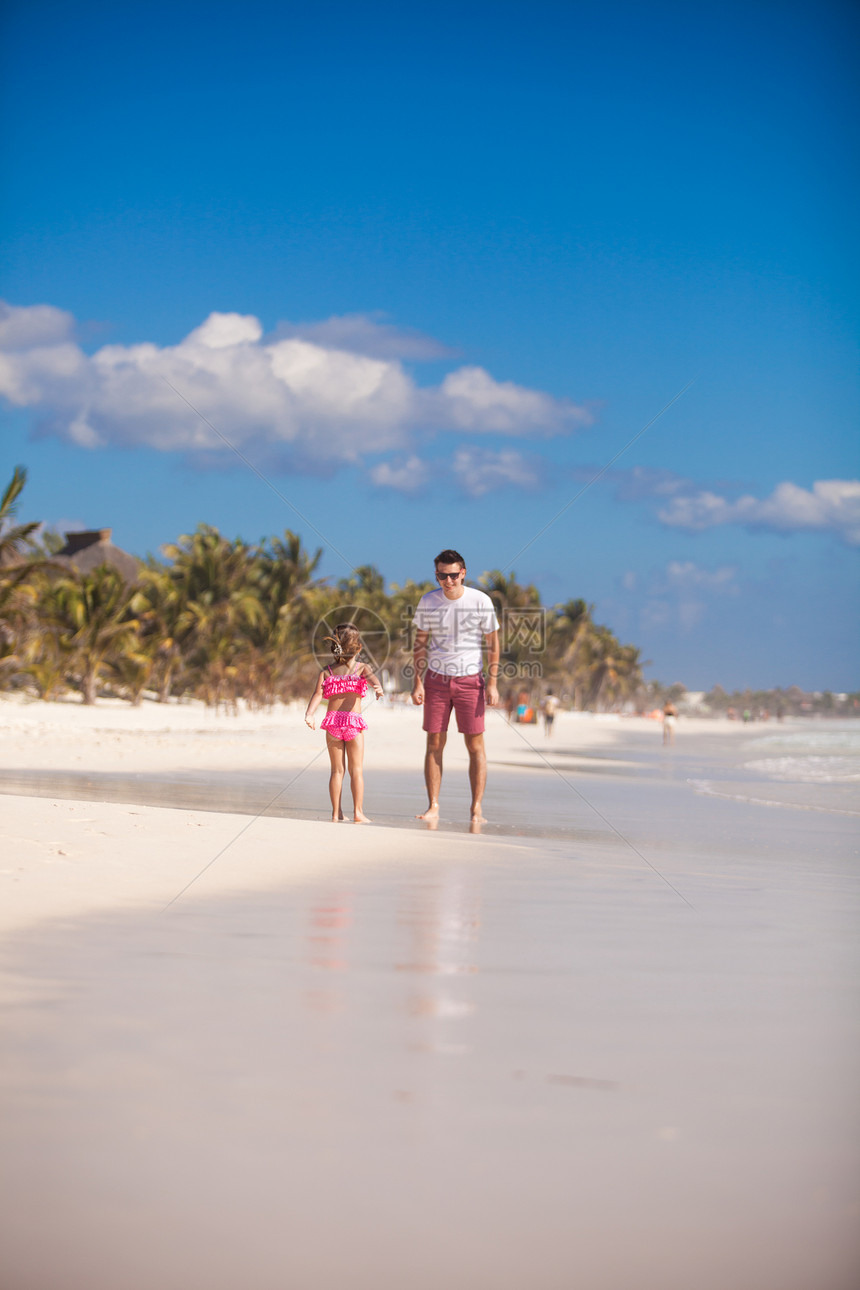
pixel 366 584
pixel 42 661
pixel 362 600
pixel 225 619
pixel 14 538
pixel 133 668
pixel 628 671
pixel 506 593
pixel 568 629
pixel 614 670
pixel 282 574
pixel 90 617
pixel 522 619
pixel 215 602
pixel 15 572
pixel 398 614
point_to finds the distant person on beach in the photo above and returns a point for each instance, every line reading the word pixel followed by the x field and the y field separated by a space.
pixel 452 623
pixel 344 684
pixel 670 716
pixel 549 707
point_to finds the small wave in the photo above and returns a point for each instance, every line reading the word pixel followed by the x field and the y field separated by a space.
pixel 703 787
pixel 808 770
pixel 834 741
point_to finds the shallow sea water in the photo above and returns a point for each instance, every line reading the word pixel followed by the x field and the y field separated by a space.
pixel 774 769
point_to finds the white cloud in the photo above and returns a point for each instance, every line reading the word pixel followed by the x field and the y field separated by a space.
pixel 831 505
pixel 471 400
pixel 476 471
pixel 366 334
pixel 23 328
pixel 290 398
pixel 407 475
pixel 686 574
pixel 222 331
pixel 479 470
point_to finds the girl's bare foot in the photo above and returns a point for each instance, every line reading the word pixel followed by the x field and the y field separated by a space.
pixel 336 819
pixel 431 815
pixel 361 818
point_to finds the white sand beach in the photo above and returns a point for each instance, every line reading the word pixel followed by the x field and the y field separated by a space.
pixel 610 1042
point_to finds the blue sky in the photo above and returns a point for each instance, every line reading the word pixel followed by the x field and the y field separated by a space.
pixel 457 257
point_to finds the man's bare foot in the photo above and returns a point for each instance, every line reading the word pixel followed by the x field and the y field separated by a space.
pixel 361 818
pixel 431 815
pixel 478 816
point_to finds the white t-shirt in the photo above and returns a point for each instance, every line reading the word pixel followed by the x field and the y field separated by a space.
pixel 456 630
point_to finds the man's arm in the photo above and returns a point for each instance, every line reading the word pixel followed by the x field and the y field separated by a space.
pixel 419 664
pixel 492 642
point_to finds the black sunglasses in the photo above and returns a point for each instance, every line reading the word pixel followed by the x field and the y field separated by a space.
pixel 444 576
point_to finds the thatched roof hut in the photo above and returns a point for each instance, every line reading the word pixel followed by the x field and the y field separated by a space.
pixel 87 550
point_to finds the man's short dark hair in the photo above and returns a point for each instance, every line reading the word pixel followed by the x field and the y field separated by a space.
pixel 449 557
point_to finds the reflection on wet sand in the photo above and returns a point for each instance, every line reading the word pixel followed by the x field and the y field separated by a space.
pixel 329 923
pixel 434 934
pixel 327 938
pixel 444 922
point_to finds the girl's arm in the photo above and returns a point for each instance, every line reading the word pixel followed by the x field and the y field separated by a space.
pixel 371 676
pixel 315 700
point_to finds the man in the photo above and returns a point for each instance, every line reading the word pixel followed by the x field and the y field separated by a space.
pixel 451 625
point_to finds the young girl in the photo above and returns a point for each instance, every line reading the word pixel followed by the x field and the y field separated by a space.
pixel 344 684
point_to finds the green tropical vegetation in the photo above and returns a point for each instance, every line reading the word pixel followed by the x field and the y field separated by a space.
pixel 224 620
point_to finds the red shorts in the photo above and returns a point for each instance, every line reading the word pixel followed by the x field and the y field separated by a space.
pixel 465 694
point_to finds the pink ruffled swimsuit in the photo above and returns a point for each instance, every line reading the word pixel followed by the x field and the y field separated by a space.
pixel 343 725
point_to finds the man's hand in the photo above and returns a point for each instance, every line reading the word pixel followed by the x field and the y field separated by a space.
pixel 418 693
pixel 491 639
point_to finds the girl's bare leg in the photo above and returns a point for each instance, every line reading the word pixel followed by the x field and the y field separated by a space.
pixel 355 761
pixel 335 783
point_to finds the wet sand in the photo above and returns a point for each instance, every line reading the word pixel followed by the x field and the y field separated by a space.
pixel 612 1043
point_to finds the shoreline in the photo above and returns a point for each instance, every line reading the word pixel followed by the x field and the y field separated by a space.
pixel 140 782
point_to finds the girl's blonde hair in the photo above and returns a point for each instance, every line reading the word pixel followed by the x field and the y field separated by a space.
pixel 345 643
